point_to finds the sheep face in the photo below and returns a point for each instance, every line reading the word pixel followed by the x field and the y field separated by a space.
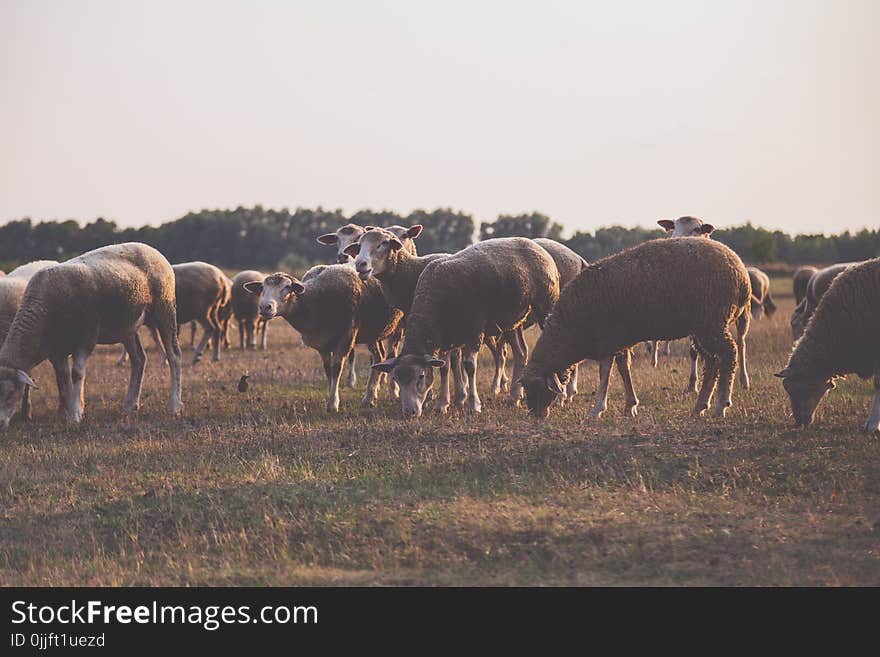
pixel 414 376
pixel 374 251
pixel 342 239
pixel 12 385
pixel 804 392
pixel 276 292
pixel 686 227
pixel 541 393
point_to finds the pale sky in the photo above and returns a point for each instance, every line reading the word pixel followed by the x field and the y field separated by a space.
pixel 592 112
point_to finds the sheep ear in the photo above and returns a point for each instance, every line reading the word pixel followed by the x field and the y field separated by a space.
pixel 434 362
pixel 414 231
pixel 352 249
pixel 667 224
pixel 783 373
pixel 369 228
pixel 553 384
pixel 706 229
pixel 23 377
pixel 254 287
pixel 296 287
pixel 395 244
pixel 329 239
pixel 386 365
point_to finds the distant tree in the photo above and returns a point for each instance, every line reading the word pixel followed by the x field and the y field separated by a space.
pixel 524 225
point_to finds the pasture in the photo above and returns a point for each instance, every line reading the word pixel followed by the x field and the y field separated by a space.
pixel 265 488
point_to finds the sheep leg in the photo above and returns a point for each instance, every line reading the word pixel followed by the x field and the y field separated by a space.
pixel 375 379
pixel 443 399
pixel 226 333
pixel 167 327
pixel 138 356
pixel 352 374
pixel 498 349
pixel 78 379
pixel 26 413
pixel 692 380
pixel 601 404
pixel 655 353
pixel 727 358
pixel 520 356
pixel 624 363
pixel 742 329
pixel 333 370
pixel 264 327
pixel 710 375
pixel 206 326
pixel 216 332
pixel 391 352
pixel 458 378
pixel 192 335
pixel 241 334
pixel 571 388
pixel 470 367
pixel 61 365
pixel 873 424
pixel 249 329
pixel 123 357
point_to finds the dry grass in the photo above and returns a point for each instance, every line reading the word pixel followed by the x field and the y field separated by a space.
pixel 266 489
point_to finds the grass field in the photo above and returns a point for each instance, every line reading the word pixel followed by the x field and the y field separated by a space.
pixel 265 488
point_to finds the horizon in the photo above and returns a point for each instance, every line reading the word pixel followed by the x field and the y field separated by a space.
pixel 594 115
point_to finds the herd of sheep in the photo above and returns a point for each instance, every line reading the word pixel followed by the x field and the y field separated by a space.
pixel 421 313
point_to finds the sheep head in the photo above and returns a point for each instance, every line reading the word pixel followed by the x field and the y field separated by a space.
pixel 541 391
pixel 686 227
pixel 374 252
pixel 276 291
pixel 805 391
pixel 342 239
pixel 12 385
pixel 414 375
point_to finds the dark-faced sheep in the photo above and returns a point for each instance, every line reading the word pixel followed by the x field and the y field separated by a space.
pixel 246 309
pixel 488 288
pixel 842 337
pixel 620 301
pixel 100 297
pixel 762 303
pixel 332 311
pixel 816 287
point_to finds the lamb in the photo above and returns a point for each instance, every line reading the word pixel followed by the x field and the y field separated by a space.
pixel 380 254
pixel 620 301
pixel 333 310
pixel 816 287
pixel 100 297
pixel 762 302
pixel 488 288
pixel 842 337
pixel 11 291
pixel 245 307
pixel 800 279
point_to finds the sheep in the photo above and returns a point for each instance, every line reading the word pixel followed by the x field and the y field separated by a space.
pixel 621 300
pixel 488 288
pixel 12 288
pixel 332 310
pixel 100 297
pixel 349 234
pixel 380 254
pixel 762 302
pixel 800 279
pixel 245 307
pixel 569 264
pixel 686 227
pixel 842 337
pixel 202 290
pixel 816 287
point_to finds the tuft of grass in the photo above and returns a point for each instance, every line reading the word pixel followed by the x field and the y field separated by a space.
pixel 265 488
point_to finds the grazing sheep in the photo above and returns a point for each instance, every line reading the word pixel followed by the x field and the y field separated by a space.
pixel 686 227
pixel 488 288
pixel 816 287
pixel 620 301
pixel 202 290
pixel 246 308
pixel 333 311
pixel 800 280
pixel 11 291
pixel 380 254
pixel 842 337
pixel 100 297
pixel 762 302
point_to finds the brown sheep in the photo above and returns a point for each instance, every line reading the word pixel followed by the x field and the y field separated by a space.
pixel 816 287
pixel 800 280
pixel 488 288
pixel 842 337
pixel 762 302
pixel 620 301
pixel 100 297
pixel 245 308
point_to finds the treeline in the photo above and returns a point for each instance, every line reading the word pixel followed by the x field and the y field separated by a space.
pixel 269 239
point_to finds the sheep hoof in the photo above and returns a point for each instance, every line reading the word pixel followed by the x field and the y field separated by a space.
pixel 700 409
pixel 442 410
pixel 332 409
pixel 632 411
pixel 872 428
pixel 596 413
pixel 691 387
pixel 366 402
pixel 476 407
